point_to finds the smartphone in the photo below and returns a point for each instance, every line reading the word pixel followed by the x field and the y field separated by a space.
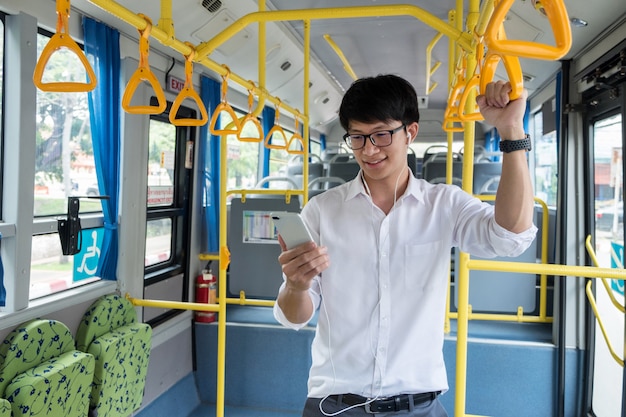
pixel 291 228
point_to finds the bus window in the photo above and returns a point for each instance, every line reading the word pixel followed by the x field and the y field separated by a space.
pixel 243 157
pixel 64 167
pixel 64 164
pixel 315 147
pixel 544 150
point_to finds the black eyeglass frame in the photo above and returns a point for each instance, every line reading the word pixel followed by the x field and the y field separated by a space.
pixel 370 137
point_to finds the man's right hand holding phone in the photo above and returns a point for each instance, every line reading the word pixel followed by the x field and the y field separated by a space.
pixel 300 265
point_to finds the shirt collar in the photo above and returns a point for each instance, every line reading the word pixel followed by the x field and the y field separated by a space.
pixel 414 188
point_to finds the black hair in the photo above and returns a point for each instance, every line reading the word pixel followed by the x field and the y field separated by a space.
pixel 385 97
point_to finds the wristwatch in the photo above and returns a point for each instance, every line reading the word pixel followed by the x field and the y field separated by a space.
pixel 507 146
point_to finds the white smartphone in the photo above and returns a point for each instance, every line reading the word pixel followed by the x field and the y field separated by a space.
pixel 291 228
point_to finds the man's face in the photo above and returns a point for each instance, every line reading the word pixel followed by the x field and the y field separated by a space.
pixel 388 158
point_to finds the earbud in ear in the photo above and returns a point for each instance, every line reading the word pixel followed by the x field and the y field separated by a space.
pixel 408 138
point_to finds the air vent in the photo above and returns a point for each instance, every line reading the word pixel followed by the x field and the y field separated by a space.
pixel 527 77
pixel 212 5
pixel 285 65
pixel 326 100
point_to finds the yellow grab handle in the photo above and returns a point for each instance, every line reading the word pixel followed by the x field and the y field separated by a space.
pixel 254 120
pixel 451 114
pixel 276 129
pixel 513 70
pixel 224 106
pixel 448 126
pixel 143 73
pixel 188 92
pixel 559 21
pixel 296 138
pixel 268 139
pixel 472 83
pixel 62 39
pixel 250 117
pixel 216 113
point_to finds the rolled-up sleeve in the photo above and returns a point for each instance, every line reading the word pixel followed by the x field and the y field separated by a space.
pixel 280 316
pixel 477 232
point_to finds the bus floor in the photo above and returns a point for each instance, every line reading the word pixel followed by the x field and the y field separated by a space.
pixel 208 410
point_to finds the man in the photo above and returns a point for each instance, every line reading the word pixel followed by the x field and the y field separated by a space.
pixel 378 269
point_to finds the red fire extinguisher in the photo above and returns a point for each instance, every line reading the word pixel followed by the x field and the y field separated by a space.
pixel 206 292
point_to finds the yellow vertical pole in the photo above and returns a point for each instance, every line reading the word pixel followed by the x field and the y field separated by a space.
pixel 221 317
pixel 463 275
pixel 305 125
pixel 450 135
pixel 261 60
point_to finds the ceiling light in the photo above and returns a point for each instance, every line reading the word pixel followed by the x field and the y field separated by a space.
pixel 578 22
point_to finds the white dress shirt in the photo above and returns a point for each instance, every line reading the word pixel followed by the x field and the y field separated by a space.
pixel 382 299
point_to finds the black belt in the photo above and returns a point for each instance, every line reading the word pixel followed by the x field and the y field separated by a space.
pixel 386 405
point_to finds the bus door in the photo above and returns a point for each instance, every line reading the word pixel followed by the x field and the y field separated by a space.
pixel 604 123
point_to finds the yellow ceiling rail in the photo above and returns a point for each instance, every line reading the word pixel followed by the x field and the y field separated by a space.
pixel 462 38
pixel 188 92
pixel 144 73
pixel 136 20
pixel 430 69
pixel 62 39
pixel 342 57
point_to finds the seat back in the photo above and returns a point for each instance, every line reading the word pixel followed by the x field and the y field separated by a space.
pixel 41 371
pixel 121 347
pixel 5 408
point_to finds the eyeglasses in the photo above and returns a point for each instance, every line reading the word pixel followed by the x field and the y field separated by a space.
pixel 381 138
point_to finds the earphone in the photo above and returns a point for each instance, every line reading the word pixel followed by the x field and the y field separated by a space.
pixel 408 138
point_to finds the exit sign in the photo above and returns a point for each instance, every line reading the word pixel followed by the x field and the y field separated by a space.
pixel 174 84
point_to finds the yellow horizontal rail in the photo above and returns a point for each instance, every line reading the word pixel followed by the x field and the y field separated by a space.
pixel 549 269
pixel 176 305
pixel 242 300
pixel 519 318
pixel 464 40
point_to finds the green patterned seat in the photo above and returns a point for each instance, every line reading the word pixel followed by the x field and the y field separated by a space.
pixel 5 408
pixel 41 372
pixel 121 347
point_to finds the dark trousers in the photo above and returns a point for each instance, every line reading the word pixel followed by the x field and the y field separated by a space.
pixel 332 407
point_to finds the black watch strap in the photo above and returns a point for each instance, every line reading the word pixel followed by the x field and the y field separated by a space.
pixel 507 146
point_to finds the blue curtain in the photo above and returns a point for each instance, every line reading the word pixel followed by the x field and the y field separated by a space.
pixel 102 47
pixel 267 120
pixel 3 292
pixel 209 157
pixel 323 141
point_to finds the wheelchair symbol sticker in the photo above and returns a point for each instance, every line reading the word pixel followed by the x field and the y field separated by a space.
pixel 617 261
pixel 86 261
